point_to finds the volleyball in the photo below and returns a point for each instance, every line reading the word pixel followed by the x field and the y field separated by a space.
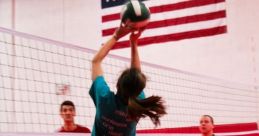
pixel 136 12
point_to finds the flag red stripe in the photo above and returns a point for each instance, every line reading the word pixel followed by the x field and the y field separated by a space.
pixel 168 7
pixel 177 21
pixel 183 5
pixel 175 36
pixel 225 128
pixel 110 17
pixel 188 19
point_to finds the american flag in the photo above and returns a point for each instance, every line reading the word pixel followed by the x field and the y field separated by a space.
pixel 171 20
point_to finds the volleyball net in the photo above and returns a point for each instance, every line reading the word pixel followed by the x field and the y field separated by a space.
pixel 38 74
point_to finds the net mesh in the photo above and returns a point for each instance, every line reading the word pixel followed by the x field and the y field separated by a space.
pixel 33 71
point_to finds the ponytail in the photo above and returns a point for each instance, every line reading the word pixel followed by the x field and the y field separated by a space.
pixel 130 84
pixel 153 107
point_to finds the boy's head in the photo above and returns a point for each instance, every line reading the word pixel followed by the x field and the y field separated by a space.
pixel 67 111
pixel 206 124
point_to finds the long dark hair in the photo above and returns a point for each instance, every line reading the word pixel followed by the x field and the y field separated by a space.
pixel 130 84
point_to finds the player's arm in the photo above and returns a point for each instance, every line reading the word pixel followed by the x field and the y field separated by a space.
pixel 97 60
pixel 104 50
pixel 135 61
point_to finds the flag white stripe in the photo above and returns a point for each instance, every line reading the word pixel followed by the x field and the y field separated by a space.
pixel 150 3
pixel 178 29
pixel 174 14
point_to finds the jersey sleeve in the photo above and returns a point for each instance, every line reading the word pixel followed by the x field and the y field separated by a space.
pixel 99 89
pixel 141 95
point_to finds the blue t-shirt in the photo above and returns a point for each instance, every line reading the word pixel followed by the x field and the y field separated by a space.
pixel 111 112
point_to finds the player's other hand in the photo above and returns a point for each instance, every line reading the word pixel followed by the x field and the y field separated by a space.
pixel 136 33
pixel 123 30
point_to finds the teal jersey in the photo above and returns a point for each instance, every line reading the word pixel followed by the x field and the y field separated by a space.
pixel 111 112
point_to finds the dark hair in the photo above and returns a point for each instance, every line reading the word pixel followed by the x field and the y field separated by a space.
pixel 130 84
pixel 67 103
pixel 211 118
